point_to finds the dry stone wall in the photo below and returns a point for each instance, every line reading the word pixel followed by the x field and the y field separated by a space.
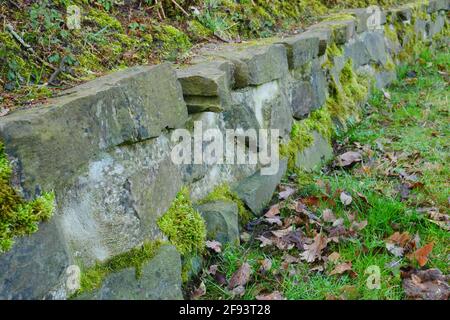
pixel 104 147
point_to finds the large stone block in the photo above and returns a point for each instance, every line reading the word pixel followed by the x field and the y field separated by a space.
pixel 49 143
pixel 35 267
pixel 324 35
pixel 257 190
pixel 341 30
pixel 376 47
pixel 301 49
pixel 206 86
pixel 265 106
pixel 314 156
pixel 160 279
pixel 221 218
pixel 256 65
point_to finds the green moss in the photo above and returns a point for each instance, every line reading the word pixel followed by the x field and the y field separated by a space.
pixel 198 31
pixel 173 42
pixel 17 216
pixel 223 192
pixel 92 278
pixel 390 33
pixel 301 135
pixel 301 138
pixel 104 20
pixel 339 17
pixel 183 225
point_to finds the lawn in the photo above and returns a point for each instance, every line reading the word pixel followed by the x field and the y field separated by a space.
pixel 370 225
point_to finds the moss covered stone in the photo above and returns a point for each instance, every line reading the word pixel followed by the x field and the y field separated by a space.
pixel 223 192
pixel 183 225
pixel 92 278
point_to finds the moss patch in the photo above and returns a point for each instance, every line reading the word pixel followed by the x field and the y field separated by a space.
pixel 183 225
pixel 17 216
pixel 223 192
pixel 173 42
pixel 92 278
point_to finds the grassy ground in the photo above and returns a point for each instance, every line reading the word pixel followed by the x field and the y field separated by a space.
pixel 401 185
pixel 41 52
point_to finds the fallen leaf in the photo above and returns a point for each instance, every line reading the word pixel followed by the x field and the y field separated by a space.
pixel 358 226
pixel 400 239
pixel 264 241
pixel 345 198
pixel 273 211
pixel 338 222
pixel 348 158
pixel 333 257
pixel 212 270
pixel 198 292
pixel 283 195
pixel 328 215
pixel 214 245
pixel 266 265
pixel 313 251
pixel 428 284
pixel 245 236
pixel 341 268
pixel 395 249
pixel 238 291
pixel 274 220
pixel 386 94
pixel 271 296
pixel 241 276
pixel 282 232
pixel 421 255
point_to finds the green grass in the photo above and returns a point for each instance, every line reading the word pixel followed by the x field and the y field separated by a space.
pixel 414 126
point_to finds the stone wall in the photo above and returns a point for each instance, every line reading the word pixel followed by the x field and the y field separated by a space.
pixel 104 147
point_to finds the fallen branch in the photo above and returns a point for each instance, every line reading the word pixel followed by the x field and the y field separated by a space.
pixel 180 7
pixel 26 46
pixel 57 72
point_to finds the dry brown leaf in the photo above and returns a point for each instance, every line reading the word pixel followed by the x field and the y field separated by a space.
pixel 241 276
pixel 341 268
pixel 421 255
pixel 288 191
pixel 345 198
pixel 428 284
pixel 216 246
pixel 266 265
pixel 333 257
pixel 328 215
pixel 313 251
pixel 273 211
pixel 199 292
pixel 271 296
pixel 348 158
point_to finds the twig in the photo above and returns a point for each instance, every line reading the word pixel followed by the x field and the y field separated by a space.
pixel 26 46
pixel 157 9
pixel 15 4
pixel 57 71
pixel 180 7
